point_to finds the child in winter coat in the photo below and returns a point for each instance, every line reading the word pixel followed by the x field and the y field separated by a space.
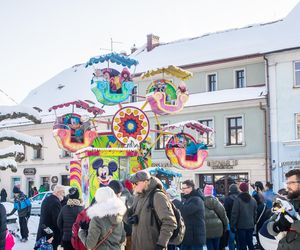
pixel 44 243
pixel 10 241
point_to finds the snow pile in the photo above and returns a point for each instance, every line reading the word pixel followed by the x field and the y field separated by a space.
pixel 8 163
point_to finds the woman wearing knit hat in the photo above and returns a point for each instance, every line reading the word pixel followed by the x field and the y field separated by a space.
pixel 67 217
pixel 216 221
pixel 243 217
pixel 106 231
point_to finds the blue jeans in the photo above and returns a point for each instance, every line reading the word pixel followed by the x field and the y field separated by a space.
pixel 185 247
pixel 213 244
pixel 245 238
pixel 231 240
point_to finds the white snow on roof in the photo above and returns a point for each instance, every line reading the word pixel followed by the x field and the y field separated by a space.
pixel 12 149
pixel 19 111
pixel 74 83
pixel 8 163
pixel 32 140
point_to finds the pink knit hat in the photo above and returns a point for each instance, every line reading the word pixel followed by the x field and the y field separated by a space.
pixel 208 190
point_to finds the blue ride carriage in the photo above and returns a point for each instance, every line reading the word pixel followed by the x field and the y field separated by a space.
pixel 109 85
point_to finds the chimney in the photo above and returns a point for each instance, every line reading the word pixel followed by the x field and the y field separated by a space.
pixel 133 49
pixel 152 41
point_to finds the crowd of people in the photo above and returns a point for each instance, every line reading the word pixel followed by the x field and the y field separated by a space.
pixel 139 214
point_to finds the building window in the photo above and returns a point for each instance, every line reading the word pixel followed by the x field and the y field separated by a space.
pixel 235 131
pixel 45 184
pixel 37 153
pixel 297 74
pixel 134 92
pixel 65 180
pixel 207 138
pixel 162 141
pixel 298 126
pixel 65 154
pixel 240 78
pixel 212 82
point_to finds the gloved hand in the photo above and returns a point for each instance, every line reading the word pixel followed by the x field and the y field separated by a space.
pixel 158 247
pixel 84 225
pixel 282 223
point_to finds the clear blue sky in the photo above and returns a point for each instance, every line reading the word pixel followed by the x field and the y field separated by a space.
pixel 40 38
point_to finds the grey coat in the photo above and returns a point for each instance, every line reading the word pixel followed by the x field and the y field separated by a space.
pixel 105 216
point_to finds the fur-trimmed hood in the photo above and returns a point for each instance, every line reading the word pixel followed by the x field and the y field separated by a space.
pixel 111 207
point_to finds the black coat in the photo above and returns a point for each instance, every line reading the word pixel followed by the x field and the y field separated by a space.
pixel 2 227
pixel 3 195
pixel 243 214
pixel 192 211
pixel 228 203
pixel 50 210
pixel 66 218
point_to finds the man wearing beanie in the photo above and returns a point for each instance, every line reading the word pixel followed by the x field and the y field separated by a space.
pixel 67 217
pixel 23 205
pixel 146 234
pixel 243 217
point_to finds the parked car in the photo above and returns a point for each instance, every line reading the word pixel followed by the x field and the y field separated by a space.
pixel 36 202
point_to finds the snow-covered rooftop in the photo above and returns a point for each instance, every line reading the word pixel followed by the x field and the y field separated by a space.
pixel 74 83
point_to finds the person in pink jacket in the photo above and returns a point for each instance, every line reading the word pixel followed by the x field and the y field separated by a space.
pixel 10 241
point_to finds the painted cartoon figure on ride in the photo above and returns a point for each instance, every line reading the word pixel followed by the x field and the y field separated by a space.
pixel 109 85
pixel 163 95
pixel 104 172
pixel 182 149
pixel 73 131
pixel 75 124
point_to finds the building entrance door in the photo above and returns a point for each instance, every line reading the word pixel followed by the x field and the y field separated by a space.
pixel 29 186
pixel 221 182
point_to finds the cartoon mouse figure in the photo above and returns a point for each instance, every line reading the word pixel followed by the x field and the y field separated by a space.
pixel 104 172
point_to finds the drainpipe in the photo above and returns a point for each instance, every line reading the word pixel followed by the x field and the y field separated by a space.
pixel 267 121
pixel 266 140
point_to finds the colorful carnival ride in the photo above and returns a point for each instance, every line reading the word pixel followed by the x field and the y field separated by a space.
pixel 101 155
pixel 182 149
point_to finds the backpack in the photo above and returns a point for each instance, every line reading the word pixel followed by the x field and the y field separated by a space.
pixel 75 240
pixel 178 233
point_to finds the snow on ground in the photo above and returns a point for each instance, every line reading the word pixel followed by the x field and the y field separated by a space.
pixel 33 224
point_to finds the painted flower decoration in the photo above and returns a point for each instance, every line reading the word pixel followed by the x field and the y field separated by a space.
pixel 130 122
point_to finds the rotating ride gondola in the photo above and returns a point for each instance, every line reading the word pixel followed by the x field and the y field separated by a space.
pixel 163 95
pixel 73 131
pixel 109 85
pixel 182 149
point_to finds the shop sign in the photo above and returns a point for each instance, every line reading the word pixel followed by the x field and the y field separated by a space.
pixel 161 164
pixel 290 163
pixel 222 164
pixel 29 171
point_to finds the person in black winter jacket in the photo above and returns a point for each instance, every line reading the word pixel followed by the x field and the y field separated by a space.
pixel 192 211
pixel 23 205
pixel 2 226
pixel 243 217
pixel 3 195
pixel 67 217
pixel 50 210
pixel 228 204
